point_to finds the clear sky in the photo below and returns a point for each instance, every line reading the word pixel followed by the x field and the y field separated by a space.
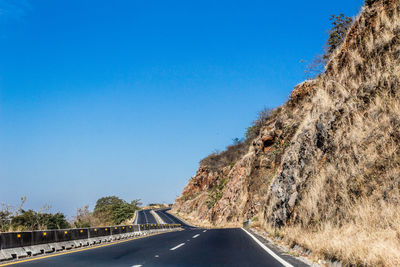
pixel 124 98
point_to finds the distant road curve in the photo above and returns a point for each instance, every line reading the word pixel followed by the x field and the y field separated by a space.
pixel 145 217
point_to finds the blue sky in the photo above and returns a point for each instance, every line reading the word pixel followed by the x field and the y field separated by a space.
pixel 124 98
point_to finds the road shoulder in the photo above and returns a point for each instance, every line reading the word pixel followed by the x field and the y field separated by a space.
pixel 281 252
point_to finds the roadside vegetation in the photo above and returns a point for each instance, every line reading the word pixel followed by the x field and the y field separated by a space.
pixel 108 211
pixel 19 219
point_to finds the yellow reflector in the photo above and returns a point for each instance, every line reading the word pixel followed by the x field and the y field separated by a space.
pixel 19 236
pixel 44 234
pixel 123 227
pixel 115 227
pixel 130 226
pixel 106 229
pixel 65 232
pixel 95 230
pixel 81 231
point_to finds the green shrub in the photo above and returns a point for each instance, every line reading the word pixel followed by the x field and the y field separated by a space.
pixel 337 34
pixel 216 193
pixel 32 220
pixel 254 130
pixel 113 210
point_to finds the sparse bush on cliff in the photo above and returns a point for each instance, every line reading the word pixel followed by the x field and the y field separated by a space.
pixel 337 34
pixel 225 158
pixel 215 193
pixel 239 147
pixel 254 130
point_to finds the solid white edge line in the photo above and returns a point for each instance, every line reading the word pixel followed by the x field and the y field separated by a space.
pixel 284 263
pixel 178 246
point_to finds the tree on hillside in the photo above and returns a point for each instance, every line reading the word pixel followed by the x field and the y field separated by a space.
pixel 337 34
pixel 136 203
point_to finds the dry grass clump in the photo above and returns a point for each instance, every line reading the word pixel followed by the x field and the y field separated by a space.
pixel 233 153
pixel 370 236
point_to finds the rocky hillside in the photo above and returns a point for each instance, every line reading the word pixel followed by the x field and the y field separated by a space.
pixel 324 172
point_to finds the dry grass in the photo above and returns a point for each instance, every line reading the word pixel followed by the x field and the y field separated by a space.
pixel 370 237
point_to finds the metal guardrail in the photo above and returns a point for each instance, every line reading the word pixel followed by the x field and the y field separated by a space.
pixel 31 243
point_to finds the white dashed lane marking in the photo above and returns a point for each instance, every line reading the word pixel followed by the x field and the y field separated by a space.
pixel 178 246
pixel 196 235
pixel 204 231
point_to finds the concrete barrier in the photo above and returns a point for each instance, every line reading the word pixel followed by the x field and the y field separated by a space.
pixel 77 234
pixel 99 235
pixel 44 237
pixel 116 230
pixel 17 239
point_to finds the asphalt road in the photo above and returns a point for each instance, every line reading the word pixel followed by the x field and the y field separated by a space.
pixel 189 247
pixel 192 247
pixel 168 218
pixel 145 217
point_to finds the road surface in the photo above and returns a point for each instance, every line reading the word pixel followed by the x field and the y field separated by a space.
pixel 189 247
pixel 145 217
pixel 168 218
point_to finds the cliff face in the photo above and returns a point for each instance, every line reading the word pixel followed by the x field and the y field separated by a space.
pixel 328 161
pixel 230 195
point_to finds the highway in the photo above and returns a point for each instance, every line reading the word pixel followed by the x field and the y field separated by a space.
pixel 189 247
pixel 145 217
pixel 168 218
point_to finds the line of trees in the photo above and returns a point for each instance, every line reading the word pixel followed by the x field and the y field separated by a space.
pixel 19 219
pixel 109 210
